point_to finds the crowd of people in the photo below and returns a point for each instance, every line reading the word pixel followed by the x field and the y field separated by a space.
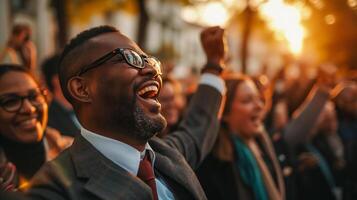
pixel 103 122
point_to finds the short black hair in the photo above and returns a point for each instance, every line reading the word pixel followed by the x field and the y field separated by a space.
pixel 49 70
pixel 64 72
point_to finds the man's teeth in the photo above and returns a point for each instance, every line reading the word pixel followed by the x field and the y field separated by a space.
pixel 151 88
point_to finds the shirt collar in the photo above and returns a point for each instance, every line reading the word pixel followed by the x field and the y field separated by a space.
pixel 120 153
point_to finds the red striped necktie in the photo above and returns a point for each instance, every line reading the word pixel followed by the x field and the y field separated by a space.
pixel 146 174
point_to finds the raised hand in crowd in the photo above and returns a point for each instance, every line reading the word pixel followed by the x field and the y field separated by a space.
pixel 214 45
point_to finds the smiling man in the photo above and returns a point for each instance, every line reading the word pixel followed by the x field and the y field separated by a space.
pixel 113 87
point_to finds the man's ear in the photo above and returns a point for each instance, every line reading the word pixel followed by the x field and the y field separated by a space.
pixel 78 88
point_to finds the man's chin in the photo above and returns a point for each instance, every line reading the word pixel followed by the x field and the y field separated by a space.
pixel 148 125
pixel 159 124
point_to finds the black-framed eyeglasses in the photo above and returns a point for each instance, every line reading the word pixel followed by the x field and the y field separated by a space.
pixel 13 103
pixel 130 56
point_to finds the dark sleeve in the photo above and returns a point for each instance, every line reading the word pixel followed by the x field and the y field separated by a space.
pixel 52 182
pixel 198 130
pixel 298 129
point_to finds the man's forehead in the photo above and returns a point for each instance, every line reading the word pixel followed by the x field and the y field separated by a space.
pixel 110 41
pixel 96 47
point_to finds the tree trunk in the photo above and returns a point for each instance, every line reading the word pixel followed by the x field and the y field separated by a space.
pixel 247 29
pixel 143 22
pixel 62 22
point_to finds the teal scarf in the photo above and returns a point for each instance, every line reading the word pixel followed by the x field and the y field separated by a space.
pixel 249 169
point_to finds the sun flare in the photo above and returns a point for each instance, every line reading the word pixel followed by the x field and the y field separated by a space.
pixel 210 14
pixel 285 20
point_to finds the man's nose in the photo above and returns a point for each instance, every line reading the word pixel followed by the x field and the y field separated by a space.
pixel 151 68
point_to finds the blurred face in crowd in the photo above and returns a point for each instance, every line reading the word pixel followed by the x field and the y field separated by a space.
pixel 168 102
pixel 347 100
pixel 27 123
pixel 246 112
pixel 18 39
pixel 327 121
pixel 123 99
pixel 280 117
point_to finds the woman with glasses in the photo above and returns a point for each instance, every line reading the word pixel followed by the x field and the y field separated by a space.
pixel 23 121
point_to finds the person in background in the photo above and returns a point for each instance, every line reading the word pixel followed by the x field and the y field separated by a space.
pixel 242 164
pixel 346 105
pixel 321 162
pixel 244 161
pixel 20 49
pixel 60 113
pixel 172 103
pixel 26 142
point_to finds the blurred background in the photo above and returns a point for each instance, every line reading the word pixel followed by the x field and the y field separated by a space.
pixel 263 35
pixel 293 50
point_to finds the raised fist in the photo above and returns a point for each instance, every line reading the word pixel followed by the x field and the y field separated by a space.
pixel 214 44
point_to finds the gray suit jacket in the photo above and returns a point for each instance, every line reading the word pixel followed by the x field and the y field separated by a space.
pixel 81 172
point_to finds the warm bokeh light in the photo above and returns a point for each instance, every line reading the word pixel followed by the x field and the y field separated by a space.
pixel 304 10
pixel 330 19
pixel 352 3
pixel 286 20
pixel 209 14
pixel 214 14
pixel 319 4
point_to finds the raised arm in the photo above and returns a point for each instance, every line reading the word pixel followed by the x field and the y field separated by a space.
pixel 298 130
pixel 198 130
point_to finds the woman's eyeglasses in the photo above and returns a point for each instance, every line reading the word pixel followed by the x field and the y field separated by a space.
pixel 13 102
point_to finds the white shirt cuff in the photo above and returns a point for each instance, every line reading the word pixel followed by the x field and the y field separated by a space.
pixel 213 81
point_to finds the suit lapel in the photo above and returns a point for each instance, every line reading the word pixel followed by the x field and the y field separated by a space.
pixel 173 165
pixel 105 179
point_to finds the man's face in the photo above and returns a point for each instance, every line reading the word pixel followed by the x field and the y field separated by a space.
pixel 124 98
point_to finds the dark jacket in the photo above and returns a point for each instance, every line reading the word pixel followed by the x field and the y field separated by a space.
pixel 220 177
pixel 312 182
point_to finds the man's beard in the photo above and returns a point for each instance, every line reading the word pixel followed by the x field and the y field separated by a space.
pixel 132 120
pixel 147 127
